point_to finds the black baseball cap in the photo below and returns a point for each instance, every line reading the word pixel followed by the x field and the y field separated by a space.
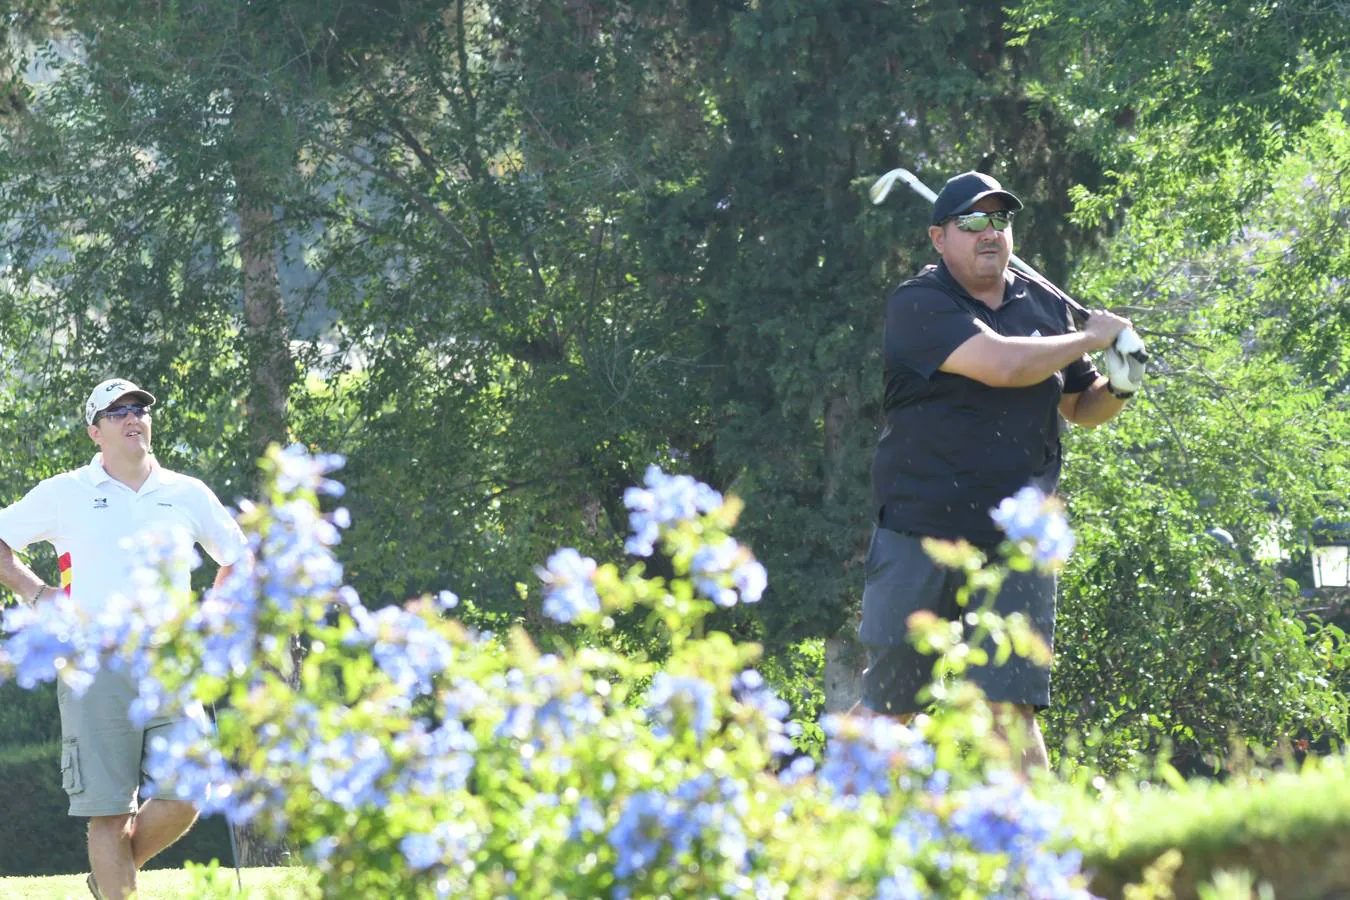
pixel 963 191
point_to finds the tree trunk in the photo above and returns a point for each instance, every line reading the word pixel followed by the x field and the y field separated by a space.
pixel 844 656
pixel 844 664
pixel 257 849
pixel 266 330
pixel 271 369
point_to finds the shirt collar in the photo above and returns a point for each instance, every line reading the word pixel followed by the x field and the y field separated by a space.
pixel 1013 288
pixel 98 475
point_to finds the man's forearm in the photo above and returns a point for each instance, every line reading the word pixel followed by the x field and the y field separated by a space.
pixel 1032 360
pixel 222 574
pixel 1013 362
pixel 1095 405
pixel 18 577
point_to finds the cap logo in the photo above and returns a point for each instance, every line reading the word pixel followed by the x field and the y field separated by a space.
pixel 115 386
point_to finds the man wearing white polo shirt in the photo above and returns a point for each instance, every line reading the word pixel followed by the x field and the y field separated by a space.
pixel 87 514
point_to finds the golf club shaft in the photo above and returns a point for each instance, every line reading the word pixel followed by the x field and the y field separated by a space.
pixel 229 826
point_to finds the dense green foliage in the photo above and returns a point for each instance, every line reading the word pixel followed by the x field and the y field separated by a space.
pixel 520 250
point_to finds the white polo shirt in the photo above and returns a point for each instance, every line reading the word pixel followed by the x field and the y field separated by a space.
pixel 86 514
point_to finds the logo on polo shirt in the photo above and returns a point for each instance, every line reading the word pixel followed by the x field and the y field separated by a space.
pixel 162 503
pixel 100 503
pixel 1036 333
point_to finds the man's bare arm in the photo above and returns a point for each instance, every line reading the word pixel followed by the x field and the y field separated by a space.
pixel 18 577
pixel 222 574
pixel 1011 362
pixel 1091 407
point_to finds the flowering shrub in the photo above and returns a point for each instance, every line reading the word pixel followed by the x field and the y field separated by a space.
pixel 409 755
pixel 1038 525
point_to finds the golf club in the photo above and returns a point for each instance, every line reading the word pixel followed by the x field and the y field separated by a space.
pixel 1127 343
pixel 229 826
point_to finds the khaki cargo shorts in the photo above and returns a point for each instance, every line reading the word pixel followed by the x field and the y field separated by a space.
pixel 102 752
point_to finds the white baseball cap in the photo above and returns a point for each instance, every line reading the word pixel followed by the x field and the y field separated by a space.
pixel 108 393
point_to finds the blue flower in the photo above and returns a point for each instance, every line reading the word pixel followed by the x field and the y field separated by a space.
pixel 571 592
pixel 298 470
pixel 903 885
pixel 1003 817
pixel 916 828
pixel 801 767
pixel 433 762
pixel 749 688
pixel 726 573
pixel 452 841
pixel 422 851
pixel 346 770
pixel 183 763
pixel 750 579
pixel 46 639
pixel 323 848
pixel 588 820
pixel 1054 876
pixel 1031 518
pixel 866 754
pixel 666 501
pixel 404 646
pixel 674 700
pixel 705 809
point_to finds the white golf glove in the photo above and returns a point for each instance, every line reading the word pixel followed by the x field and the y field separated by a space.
pixel 1125 361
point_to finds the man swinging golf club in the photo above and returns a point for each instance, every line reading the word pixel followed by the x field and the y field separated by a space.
pixel 981 361
pixel 86 514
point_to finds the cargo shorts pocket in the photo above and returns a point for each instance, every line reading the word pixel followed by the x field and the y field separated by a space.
pixel 71 781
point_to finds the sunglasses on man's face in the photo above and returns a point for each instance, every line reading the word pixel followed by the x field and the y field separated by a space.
pixel 118 413
pixel 979 221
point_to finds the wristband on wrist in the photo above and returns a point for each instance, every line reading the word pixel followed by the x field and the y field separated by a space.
pixel 1119 395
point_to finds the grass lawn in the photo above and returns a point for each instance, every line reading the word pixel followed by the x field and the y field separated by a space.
pixel 167 884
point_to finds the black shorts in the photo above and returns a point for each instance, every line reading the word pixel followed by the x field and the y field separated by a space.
pixel 901 580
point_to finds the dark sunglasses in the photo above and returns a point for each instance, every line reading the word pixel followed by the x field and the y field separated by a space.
pixel 979 221
pixel 119 413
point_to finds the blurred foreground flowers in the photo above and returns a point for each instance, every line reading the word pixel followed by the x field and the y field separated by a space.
pixel 409 755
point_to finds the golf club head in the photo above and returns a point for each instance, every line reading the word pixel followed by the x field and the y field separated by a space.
pixel 881 188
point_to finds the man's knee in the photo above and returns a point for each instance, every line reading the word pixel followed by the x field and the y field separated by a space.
pixel 861 710
pixel 178 810
pixel 116 827
pixel 1014 712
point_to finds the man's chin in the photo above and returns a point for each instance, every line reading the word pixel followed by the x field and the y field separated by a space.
pixel 990 266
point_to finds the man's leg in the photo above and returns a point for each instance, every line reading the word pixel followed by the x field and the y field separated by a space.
pixel 1016 725
pixel 901 579
pixel 110 857
pixel 1021 685
pixel 100 770
pixel 157 825
pixel 861 710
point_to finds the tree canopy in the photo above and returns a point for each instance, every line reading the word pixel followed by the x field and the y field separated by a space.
pixel 503 256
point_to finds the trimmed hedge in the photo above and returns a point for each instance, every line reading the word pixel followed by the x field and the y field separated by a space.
pixel 28 716
pixel 1288 829
pixel 37 837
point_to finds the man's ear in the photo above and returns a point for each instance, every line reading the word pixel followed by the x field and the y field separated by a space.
pixel 936 233
pixel 93 433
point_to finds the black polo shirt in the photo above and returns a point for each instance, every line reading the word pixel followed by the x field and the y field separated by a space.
pixel 954 447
